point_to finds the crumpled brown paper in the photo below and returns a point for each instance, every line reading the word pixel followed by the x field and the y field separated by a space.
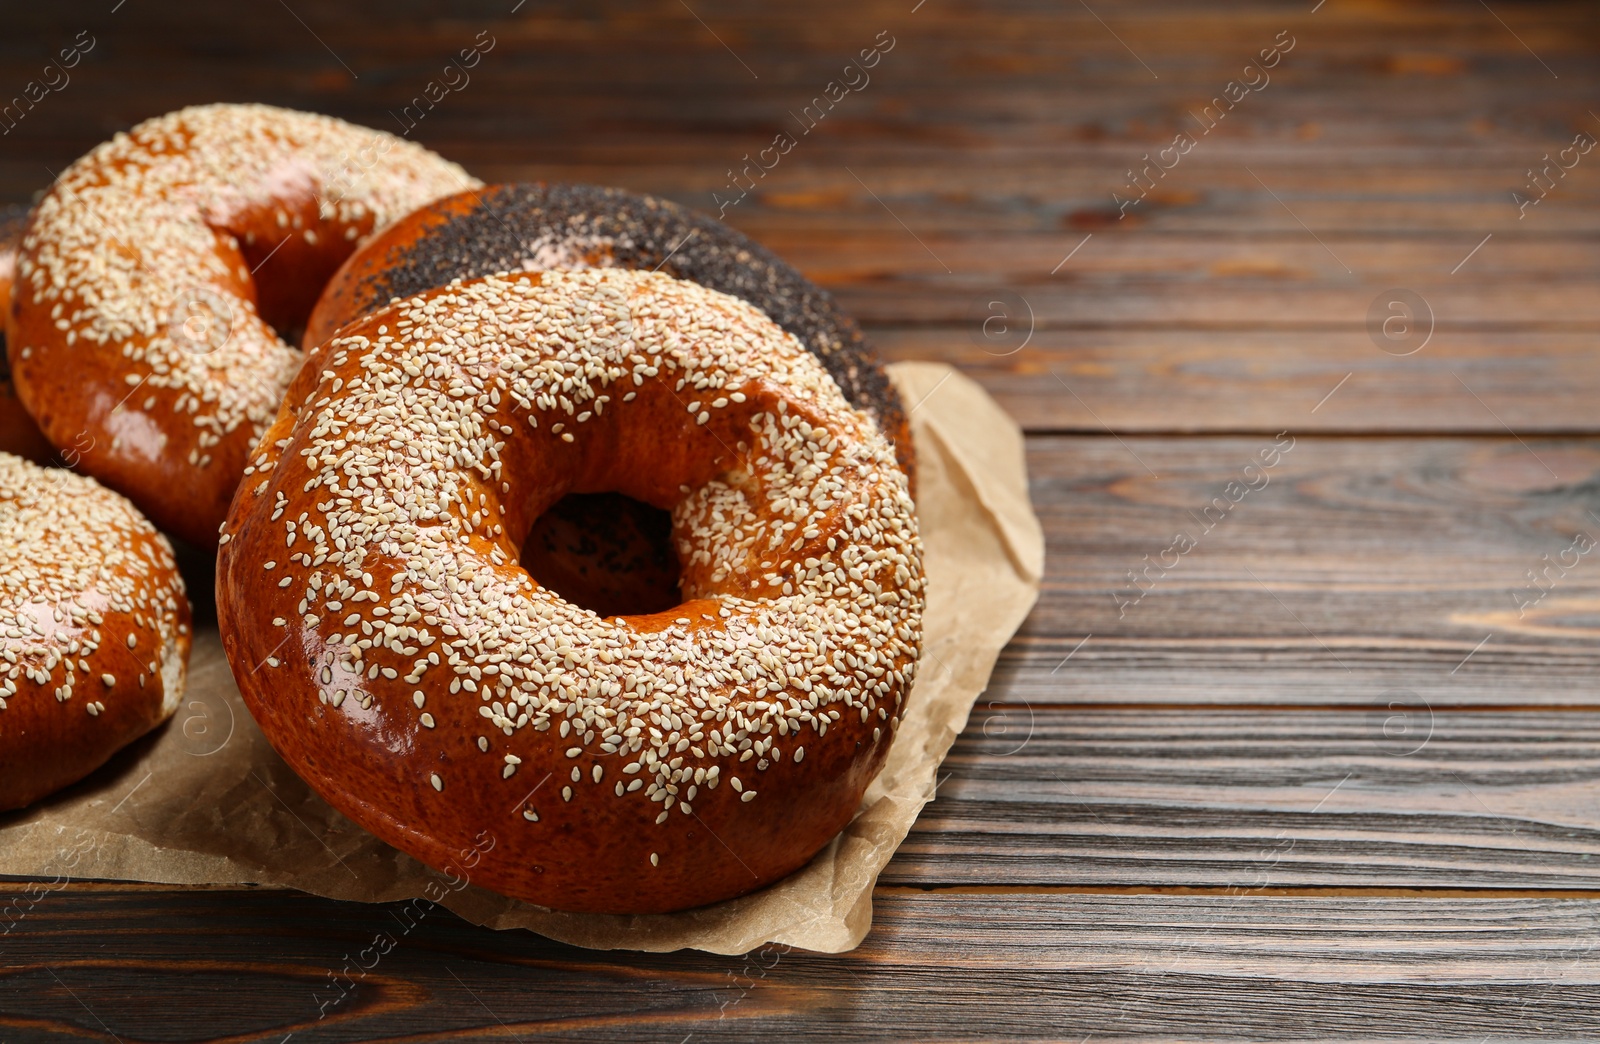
pixel 207 801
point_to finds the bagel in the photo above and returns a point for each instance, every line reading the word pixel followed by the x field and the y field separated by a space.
pixel 542 226
pixel 401 660
pixel 18 433
pixel 605 551
pixel 94 628
pixel 157 272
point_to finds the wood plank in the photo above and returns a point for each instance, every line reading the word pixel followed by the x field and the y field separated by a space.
pixel 658 74
pixel 937 967
pixel 1212 200
pixel 820 194
pixel 1187 44
pixel 910 99
pixel 1195 34
pixel 1214 196
pixel 1395 795
pixel 1172 380
pixel 1560 302
pixel 865 256
pixel 1362 566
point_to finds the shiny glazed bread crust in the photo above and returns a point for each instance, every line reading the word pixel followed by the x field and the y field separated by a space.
pixel 94 628
pixel 400 659
pixel 553 226
pixel 141 332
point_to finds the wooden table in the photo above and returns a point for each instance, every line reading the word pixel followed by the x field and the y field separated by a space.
pixel 1328 767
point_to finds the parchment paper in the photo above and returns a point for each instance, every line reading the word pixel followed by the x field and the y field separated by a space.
pixel 205 800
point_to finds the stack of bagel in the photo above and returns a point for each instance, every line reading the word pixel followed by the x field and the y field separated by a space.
pixel 554 523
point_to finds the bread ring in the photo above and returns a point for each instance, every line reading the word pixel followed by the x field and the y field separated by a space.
pixel 94 628
pixel 18 433
pixel 420 681
pixel 604 551
pixel 155 270
pixel 544 226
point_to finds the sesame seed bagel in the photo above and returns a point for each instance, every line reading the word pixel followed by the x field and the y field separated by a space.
pixel 400 658
pixel 94 628
pixel 155 271
pixel 544 226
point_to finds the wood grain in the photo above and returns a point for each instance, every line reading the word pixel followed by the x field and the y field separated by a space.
pixel 1383 144
pixel 1360 566
pixel 1188 380
pixel 938 967
pixel 1398 795
pixel 1218 747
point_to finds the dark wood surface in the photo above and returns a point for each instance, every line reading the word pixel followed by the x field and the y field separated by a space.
pixel 1322 779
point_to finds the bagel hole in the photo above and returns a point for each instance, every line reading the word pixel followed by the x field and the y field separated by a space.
pixel 288 278
pixel 291 253
pixel 605 552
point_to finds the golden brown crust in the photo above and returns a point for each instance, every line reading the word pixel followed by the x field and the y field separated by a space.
pixel 545 226
pixel 555 226
pixel 418 679
pixel 142 333
pixel 94 628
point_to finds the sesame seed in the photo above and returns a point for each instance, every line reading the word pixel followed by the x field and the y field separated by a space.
pixel 415 442
pixel 123 239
